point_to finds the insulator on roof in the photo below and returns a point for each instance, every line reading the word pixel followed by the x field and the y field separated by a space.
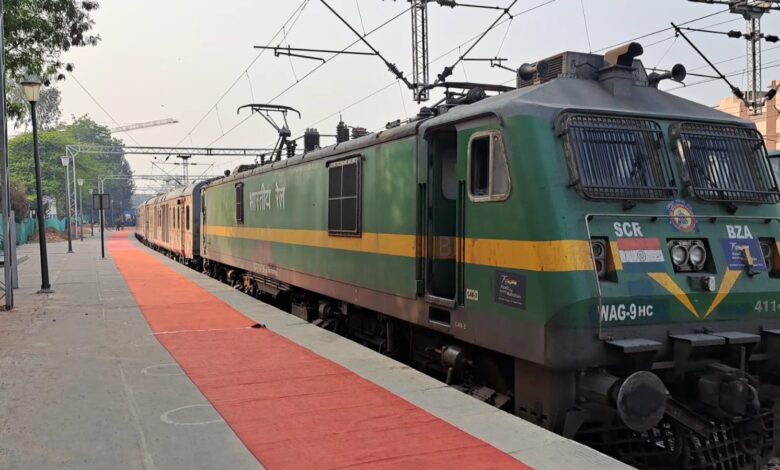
pixel 342 132
pixel 311 140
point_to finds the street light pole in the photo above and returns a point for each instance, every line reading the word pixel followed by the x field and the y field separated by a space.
pixel 66 164
pixel 75 202
pixel 81 204
pixel 32 91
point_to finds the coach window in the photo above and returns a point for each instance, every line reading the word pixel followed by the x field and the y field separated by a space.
pixel 344 197
pixel 240 203
pixel 187 218
pixel 488 176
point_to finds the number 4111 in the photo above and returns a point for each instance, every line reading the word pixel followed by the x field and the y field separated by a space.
pixel 767 306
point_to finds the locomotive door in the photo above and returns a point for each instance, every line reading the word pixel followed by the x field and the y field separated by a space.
pixel 441 234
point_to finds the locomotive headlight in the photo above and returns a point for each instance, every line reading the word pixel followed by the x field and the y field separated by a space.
pixel 598 247
pixel 679 255
pixel 697 255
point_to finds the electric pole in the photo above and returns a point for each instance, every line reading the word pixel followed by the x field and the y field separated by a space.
pixel 420 48
pixel 751 11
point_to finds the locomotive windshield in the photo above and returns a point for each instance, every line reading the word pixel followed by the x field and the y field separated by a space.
pixel 727 163
pixel 617 158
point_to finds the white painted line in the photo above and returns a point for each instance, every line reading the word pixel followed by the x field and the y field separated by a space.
pixel 165 417
pixel 151 371
pixel 147 456
pixel 199 331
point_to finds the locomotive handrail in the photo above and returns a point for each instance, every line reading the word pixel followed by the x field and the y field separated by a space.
pixel 653 217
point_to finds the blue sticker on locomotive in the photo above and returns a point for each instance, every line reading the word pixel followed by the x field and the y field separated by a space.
pixel 737 250
pixel 510 289
pixel 681 216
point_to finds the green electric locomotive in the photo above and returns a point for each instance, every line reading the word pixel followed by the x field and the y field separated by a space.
pixel 584 250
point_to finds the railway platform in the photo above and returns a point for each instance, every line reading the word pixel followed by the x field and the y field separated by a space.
pixel 137 362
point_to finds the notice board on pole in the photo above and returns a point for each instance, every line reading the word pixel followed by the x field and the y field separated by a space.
pixel 101 201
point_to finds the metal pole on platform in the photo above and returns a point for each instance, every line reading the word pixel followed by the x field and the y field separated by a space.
pixel 32 91
pixel 66 164
pixel 75 201
pixel 81 204
pixel 102 230
pixel 9 260
pixel 14 268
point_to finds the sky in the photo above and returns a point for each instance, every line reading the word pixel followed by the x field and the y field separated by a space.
pixel 194 61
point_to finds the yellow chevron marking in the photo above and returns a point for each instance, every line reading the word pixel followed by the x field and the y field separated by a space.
pixel 615 263
pixel 668 283
pixel 729 279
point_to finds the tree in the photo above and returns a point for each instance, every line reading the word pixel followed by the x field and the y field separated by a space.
pixel 37 32
pixel 52 145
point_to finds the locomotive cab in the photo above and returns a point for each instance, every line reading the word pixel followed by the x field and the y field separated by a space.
pixel 620 244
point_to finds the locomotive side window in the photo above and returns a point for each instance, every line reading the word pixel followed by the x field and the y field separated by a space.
pixel 617 158
pixel 344 196
pixel 240 203
pixel 488 170
pixel 726 163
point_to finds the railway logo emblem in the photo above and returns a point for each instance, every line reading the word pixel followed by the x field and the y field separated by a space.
pixel 681 216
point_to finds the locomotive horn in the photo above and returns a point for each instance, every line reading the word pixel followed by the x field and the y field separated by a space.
pixel 529 71
pixel 624 55
pixel 640 399
pixel 678 74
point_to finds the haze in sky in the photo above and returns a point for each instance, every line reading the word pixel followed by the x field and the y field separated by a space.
pixel 194 61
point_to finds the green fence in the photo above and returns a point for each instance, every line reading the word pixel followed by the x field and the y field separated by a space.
pixel 27 227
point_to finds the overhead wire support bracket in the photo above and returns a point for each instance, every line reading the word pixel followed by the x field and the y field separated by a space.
pixel 734 34
pixel 391 66
pixel 495 62
pixel 293 52
pixel 453 4
pixel 736 91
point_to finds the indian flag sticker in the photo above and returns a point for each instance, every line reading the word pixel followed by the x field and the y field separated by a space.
pixel 640 252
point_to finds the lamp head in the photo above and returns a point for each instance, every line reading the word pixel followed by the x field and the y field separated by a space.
pixel 32 89
pixel 80 181
pixel 65 161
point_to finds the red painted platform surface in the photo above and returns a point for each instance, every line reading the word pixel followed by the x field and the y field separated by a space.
pixel 291 408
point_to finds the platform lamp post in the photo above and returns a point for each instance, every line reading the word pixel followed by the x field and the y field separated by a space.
pixel 66 164
pixel 81 203
pixel 32 91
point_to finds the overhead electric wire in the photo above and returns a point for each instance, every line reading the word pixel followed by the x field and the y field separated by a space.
pixel 282 30
pixel 105 111
pixel 643 36
pixel 449 69
pixel 436 59
pixel 585 20
pixel 391 66
pixel 473 38
pixel 769 65
pixel 315 69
